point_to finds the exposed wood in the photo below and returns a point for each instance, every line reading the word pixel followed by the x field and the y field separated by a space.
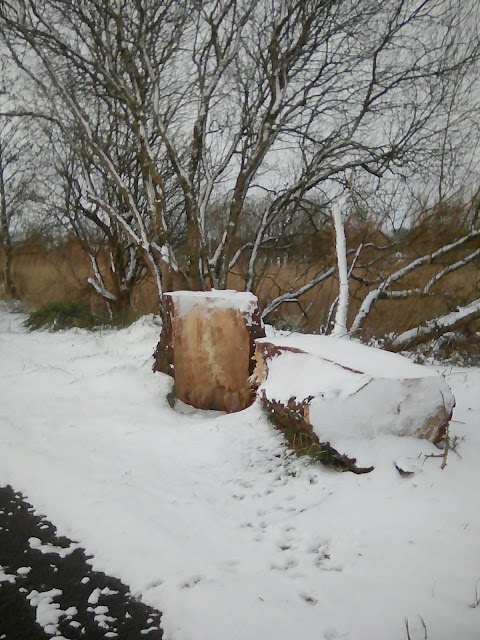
pixel 207 346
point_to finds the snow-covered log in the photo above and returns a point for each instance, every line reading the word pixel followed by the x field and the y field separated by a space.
pixel 207 346
pixel 436 327
pixel 349 390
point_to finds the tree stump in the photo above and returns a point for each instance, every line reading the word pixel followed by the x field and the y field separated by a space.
pixel 207 345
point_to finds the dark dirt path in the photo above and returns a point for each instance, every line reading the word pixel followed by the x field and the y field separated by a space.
pixel 59 589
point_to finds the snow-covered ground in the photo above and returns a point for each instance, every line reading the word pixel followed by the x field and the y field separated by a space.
pixel 210 520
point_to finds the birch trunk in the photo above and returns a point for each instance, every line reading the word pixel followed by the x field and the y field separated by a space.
pixel 340 328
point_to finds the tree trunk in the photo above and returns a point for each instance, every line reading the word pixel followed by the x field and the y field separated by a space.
pixel 353 392
pixel 207 345
pixel 340 328
pixel 5 239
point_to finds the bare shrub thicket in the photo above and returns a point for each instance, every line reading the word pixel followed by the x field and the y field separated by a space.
pixel 207 144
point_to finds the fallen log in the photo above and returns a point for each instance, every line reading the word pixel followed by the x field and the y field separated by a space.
pixel 435 328
pixel 345 390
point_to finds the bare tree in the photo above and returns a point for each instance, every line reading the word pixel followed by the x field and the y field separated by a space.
pixel 117 264
pixel 17 189
pixel 226 100
pixel 5 237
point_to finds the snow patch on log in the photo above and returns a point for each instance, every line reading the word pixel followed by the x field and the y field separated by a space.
pixel 353 355
pixel 244 302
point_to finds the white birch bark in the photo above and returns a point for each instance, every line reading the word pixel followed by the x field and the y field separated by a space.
pixel 340 327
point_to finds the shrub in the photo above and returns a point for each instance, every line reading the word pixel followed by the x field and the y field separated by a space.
pixel 62 315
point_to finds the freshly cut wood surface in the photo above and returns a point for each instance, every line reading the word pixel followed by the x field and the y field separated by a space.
pixel 207 345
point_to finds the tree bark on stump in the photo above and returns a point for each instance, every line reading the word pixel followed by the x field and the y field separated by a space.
pixel 207 345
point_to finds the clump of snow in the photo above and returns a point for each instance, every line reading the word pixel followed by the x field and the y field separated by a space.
pixel 48 612
pixel 36 543
pixel 94 596
pixel 6 577
pixel 100 616
pixel 269 547
pixel 23 571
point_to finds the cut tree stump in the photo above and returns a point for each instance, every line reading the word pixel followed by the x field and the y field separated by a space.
pixel 346 390
pixel 207 345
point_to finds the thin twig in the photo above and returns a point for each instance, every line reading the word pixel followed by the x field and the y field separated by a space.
pixel 424 626
pixel 408 630
pixel 447 448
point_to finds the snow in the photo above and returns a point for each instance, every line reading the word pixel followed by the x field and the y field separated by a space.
pixel 94 596
pixel 357 391
pixel 6 577
pixel 243 301
pixel 373 362
pixel 23 571
pixel 294 375
pixel 399 407
pixel 48 612
pixel 36 543
pixel 208 518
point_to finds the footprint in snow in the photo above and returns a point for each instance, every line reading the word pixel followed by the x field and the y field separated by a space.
pixel 332 634
pixel 231 566
pixel 154 583
pixel 309 599
pixel 191 582
pixel 285 565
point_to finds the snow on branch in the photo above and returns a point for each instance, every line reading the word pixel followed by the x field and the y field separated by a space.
pixel 450 269
pixel 436 327
pixel 380 291
pixel 292 296
pixel 102 291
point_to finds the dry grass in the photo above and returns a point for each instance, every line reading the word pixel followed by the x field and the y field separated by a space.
pixel 61 273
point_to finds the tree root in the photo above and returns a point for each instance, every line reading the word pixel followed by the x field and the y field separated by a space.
pixel 290 420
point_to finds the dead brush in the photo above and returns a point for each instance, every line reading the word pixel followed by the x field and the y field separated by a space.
pixel 449 444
